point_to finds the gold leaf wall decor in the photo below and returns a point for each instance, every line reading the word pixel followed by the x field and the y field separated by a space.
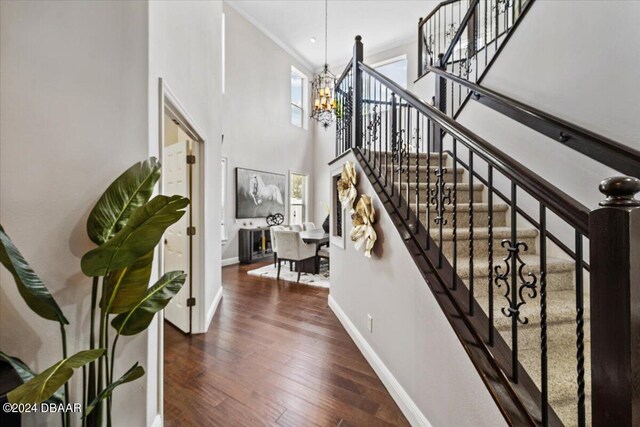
pixel 347 186
pixel 362 233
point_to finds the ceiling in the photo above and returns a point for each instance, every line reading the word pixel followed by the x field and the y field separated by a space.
pixel 382 24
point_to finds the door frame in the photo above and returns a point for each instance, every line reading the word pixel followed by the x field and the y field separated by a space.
pixel 171 105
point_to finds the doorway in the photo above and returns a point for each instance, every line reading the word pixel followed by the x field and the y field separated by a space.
pixel 182 154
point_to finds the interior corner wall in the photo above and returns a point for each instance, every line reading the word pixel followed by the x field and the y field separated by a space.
pixel 73 115
pixel 185 48
pixel 257 128
pixel 565 58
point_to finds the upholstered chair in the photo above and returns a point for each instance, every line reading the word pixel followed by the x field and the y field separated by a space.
pixel 292 248
pixel 274 243
pixel 295 227
pixel 308 226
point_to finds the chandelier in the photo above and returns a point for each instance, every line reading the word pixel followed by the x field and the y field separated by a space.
pixel 323 89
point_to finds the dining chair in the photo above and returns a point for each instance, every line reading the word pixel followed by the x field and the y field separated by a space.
pixel 295 227
pixel 309 226
pixel 292 248
pixel 274 242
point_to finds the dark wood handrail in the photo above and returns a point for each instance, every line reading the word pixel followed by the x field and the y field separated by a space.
pixel 597 147
pixel 344 73
pixel 461 29
pixel 565 206
pixel 436 9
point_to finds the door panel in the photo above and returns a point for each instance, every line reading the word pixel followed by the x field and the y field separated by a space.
pixel 175 177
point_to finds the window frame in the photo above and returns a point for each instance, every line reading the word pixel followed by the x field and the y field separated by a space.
pixel 388 61
pixel 305 199
pixel 304 96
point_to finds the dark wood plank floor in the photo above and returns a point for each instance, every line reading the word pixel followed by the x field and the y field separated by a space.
pixel 275 355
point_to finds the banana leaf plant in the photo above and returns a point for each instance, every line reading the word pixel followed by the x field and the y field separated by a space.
pixel 126 224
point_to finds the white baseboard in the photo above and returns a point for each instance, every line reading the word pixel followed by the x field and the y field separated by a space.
pixel 408 407
pixel 230 261
pixel 213 308
pixel 157 421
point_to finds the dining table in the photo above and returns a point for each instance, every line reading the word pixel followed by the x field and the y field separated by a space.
pixel 319 237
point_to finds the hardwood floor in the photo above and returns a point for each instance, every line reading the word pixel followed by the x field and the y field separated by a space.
pixel 275 355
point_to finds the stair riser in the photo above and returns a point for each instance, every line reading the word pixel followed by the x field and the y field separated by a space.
pixel 462 195
pixel 481 247
pixel 462 219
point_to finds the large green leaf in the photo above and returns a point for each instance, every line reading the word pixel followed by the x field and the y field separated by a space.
pixel 131 375
pixel 26 374
pixel 128 192
pixel 44 385
pixel 156 298
pixel 127 286
pixel 141 234
pixel 31 288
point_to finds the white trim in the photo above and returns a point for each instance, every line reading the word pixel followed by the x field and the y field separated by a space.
pixel 157 421
pixel 373 52
pixel 214 307
pixel 234 5
pixel 408 407
pixel 230 261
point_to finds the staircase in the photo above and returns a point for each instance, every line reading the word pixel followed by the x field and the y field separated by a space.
pixel 477 263
pixel 503 250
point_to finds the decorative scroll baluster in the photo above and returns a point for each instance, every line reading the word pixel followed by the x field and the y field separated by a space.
pixel 428 189
pixel 386 135
pixel 490 247
pixel 471 242
pixel 394 141
pixel 543 316
pixel 513 250
pixel 580 329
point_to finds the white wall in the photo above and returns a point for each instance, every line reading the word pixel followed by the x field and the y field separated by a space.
pixel 257 128
pixel 411 336
pixel 185 51
pixel 73 114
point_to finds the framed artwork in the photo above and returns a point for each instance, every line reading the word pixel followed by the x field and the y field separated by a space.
pixel 259 194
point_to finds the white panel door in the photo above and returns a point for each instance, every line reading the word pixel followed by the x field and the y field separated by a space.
pixel 175 175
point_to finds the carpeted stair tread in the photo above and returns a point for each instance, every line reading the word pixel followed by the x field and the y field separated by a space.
pixel 482 232
pixel 532 263
pixel 462 208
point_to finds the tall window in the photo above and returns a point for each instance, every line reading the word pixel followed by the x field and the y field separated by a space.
pixel 297 198
pixel 395 69
pixel 298 98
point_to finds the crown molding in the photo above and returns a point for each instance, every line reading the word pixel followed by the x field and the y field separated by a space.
pixel 233 4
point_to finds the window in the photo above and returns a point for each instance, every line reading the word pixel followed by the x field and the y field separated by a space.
pixel 395 69
pixel 298 98
pixel 297 198
pixel 223 200
pixel 223 54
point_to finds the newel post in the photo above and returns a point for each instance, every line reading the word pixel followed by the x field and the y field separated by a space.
pixel 358 56
pixel 614 242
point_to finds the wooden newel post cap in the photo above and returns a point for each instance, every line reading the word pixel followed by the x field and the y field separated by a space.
pixel 358 38
pixel 620 191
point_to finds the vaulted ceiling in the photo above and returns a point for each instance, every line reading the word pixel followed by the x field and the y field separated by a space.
pixel 382 24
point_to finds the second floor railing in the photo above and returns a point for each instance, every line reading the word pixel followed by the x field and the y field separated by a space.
pixel 531 273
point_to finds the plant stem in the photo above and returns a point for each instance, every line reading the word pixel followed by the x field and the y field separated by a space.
pixel 98 409
pixel 108 374
pixel 63 334
pixel 91 386
pixel 84 394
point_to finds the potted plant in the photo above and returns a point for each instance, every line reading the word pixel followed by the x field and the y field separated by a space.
pixel 126 225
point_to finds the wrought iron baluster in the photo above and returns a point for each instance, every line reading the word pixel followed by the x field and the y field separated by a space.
pixel 417 189
pixel 490 247
pixel 428 189
pixel 513 251
pixel 580 330
pixel 386 135
pixel 471 241
pixel 399 152
pixel 454 215
pixel 543 316
pixel 394 136
pixel 409 134
pixel 486 50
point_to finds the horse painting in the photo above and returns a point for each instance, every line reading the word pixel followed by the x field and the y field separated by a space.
pixel 260 191
pixel 259 194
